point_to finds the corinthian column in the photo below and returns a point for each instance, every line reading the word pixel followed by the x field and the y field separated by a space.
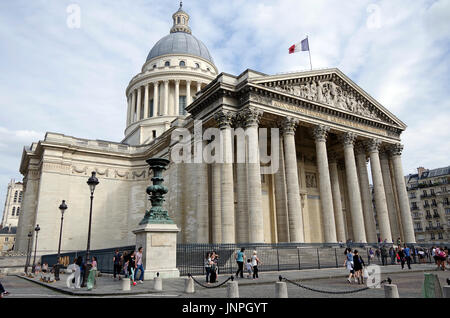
pixel 188 93
pixel 378 185
pixel 133 107
pixel 389 191
pixel 354 194
pixel 138 105
pixel 224 119
pixel 199 87
pixel 366 197
pixel 293 191
pixel 146 96
pixel 326 200
pixel 242 228
pixel 129 99
pixel 337 203
pixel 255 211
pixel 216 206
pixel 281 199
pixel 405 212
pixel 156 110
pixel 166 98
pixel 176 111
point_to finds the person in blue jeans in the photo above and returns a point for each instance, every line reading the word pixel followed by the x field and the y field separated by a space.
pixel 139 266
pixel 240 256
pixel 407 252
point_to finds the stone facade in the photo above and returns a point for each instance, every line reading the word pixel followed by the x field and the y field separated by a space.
pixel 429 196
pixel 13 202
pixel 318 193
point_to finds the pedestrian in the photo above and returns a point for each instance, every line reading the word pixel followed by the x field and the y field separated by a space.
pixel 215 259
pixel 399 241
pixel 371 255
pixel 124 260
pixel 139 265
pixel 116 264
pixel 78 271
pixel 392 255
pixel 421 254
pixel 407 252
pixel 132 267
pixel 441 257
pixel 377 253
pixel 248 265
pixel 433 254
pixel 384 255
pixel 45 267
pixel 208 263
pixel 349 264
pixel 401 257
pixel 213 270
pixel 94 263
pixel 3 292
pixel 240 256
pixel 255 263
pixel 37 269
pixel 358 264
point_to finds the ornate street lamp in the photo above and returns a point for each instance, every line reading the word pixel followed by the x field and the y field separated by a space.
pixel 27 263
pixel 62 208
pixel 36 229
pixel 92 182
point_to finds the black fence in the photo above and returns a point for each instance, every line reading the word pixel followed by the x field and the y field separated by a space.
pixel 274 257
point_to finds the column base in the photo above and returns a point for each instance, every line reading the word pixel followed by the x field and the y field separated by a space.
pixel 163 273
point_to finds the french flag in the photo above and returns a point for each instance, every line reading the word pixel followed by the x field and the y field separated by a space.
pixel 301 46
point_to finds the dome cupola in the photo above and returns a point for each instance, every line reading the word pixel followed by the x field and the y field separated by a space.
pixel 180 21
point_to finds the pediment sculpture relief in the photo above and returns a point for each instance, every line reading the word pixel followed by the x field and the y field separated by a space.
pixel 329 93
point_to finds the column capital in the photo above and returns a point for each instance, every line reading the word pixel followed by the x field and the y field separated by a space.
pixel 177 81
pixel 348 139
pixel 396 149
pixel 166 82
pixel 288 125
pixel 188 82
pixel 156 83
pixel 250 116
pixel 373 145
pixel 320 133
pixel 224 118
pixel 384 153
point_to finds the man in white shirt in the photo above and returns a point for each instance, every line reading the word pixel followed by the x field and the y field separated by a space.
pixel 139 265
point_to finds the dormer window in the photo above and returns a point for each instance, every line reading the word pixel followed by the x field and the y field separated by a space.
pixel 197 65
pixel 154 65
pixel 167 63
pixel 182 63
pixel 208 69
pixel 178 20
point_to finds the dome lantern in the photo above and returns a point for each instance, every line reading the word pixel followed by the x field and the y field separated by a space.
pixel 180 21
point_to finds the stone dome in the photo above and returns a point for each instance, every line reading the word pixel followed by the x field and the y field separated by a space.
pixel 180 43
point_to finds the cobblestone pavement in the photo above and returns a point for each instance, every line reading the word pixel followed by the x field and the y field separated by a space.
pixel 409 285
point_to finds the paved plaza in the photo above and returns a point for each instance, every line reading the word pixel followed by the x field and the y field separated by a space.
pixel 409 284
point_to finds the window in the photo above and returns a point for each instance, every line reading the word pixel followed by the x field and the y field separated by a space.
pixel 440 236
pixel 197 65
pixel 154 133
pixel 447 211
pixel 13 211
pixel 20 196
pixel 167 63
pixel 17 213
pixel 154 65
pixel 182 63
pixel 208 69
pixel 15 197
pixel 444 189
pixel 432 191
pixel 432 236
pixel 424 193
pixel 6 239
pixel 182 103
pixel 178 20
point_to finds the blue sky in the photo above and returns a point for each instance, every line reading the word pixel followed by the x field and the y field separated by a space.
pixel 73 80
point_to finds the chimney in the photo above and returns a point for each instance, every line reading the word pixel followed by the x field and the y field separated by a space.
pixel 420 171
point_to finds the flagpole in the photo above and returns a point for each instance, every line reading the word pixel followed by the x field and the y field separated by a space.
pixel 309 51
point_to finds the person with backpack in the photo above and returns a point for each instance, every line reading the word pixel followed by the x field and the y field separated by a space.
pixel 349 264
pixel 407 252
pixel 401 257
pixel 384 256
pixel 116 263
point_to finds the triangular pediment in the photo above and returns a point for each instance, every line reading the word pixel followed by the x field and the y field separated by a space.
pixel 330 88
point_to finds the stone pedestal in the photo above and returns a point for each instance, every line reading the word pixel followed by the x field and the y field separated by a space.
pixel 159 242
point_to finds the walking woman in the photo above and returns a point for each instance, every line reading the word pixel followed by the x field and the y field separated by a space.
pixel 349 264
pixel 240 256
pixel 132 266
pixel 255 263
pixel 358 264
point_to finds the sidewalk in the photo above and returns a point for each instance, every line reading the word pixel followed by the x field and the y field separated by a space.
pixel 106 286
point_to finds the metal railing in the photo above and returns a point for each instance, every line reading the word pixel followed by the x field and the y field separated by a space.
pixel 274 257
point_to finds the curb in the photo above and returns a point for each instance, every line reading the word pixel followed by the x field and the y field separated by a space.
pixel 82 293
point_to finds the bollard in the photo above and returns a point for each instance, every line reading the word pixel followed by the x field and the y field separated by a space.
pixel 126 283
pixel 446 291
pixel 232 289
pixel 189 285
pixel 157 283
pixel 281 290
pixel 391 291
